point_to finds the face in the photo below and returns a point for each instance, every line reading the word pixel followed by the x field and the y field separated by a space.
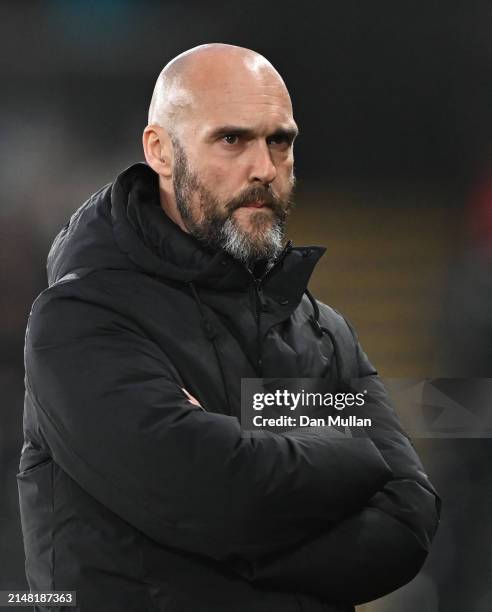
pixel 233 168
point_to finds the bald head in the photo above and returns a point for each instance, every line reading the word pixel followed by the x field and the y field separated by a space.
pixel 192 76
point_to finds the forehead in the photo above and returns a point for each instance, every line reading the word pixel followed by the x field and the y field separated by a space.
pixel 257 100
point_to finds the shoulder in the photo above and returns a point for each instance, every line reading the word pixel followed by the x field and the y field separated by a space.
pixel 78 304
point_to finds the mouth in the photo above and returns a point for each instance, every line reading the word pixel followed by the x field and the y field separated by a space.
pixel 256 204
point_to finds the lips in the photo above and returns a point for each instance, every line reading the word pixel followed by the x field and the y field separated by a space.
pixel 254 205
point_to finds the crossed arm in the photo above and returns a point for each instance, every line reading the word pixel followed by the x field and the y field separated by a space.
pixel 297 509
pixel 376 549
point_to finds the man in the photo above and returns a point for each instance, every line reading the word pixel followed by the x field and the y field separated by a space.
pixel 138 488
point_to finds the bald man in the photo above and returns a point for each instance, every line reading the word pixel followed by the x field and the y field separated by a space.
pixel 139 490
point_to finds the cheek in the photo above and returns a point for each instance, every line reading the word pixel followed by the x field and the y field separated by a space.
pixel 222 179
pixel 216 175
pixel 285 177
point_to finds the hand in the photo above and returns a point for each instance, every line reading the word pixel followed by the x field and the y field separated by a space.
pixel 191 399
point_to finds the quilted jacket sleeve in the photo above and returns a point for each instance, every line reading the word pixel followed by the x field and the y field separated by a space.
pixel 380 547
pixel 113 416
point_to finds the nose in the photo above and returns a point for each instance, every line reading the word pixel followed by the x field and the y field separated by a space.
pixel 263 169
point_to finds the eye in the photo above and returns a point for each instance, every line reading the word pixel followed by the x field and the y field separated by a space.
pixel 280 141
pixel 231 139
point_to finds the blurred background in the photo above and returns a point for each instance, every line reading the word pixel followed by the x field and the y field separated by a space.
pixel 394 168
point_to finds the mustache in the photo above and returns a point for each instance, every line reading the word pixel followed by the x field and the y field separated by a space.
pixel 258 194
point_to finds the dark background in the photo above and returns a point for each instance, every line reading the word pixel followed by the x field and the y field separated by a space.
pixel 394 103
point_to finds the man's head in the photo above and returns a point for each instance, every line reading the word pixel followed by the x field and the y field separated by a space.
pixel 220 137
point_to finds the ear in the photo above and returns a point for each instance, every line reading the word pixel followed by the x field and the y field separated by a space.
pixel 158 150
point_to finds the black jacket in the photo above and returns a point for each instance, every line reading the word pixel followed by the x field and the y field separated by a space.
pixel 139 500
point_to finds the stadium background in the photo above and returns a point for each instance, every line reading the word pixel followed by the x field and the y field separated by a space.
pixel 394 176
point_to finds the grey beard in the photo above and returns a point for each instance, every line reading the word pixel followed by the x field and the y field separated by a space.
pixel 240 246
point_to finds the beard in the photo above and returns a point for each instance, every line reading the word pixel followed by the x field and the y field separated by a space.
pixel 214 224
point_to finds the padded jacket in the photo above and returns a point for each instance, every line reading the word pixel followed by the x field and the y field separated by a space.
pixel 139 500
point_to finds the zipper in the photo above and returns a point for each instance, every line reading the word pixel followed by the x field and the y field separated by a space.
pixel 259 305
pixel 257 282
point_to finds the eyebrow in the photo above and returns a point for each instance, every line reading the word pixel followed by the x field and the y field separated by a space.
pixel 289 133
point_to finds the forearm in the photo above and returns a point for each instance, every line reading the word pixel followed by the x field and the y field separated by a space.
pixel 380 547
pixel 363 557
